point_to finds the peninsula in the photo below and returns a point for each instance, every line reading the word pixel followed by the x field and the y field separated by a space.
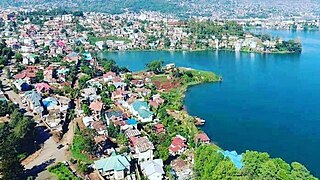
pixel 67 111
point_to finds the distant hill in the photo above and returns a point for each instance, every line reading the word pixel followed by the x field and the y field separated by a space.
pixel 185 8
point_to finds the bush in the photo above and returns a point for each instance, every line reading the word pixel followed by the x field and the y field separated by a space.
pixel 62 172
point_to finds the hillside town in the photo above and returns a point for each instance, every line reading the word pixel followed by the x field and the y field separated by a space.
pixel 131 31
pixel 102 121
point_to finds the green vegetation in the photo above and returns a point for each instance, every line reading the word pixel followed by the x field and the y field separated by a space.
pixel 6 107
pixel 94 39
pixel 206 29
pixel 39 76
pixel 155 66
pixel 16 140
pixel 183 124
pixel 6 54
pixel 209 164
pixel 62 172
pixel 289 46
pixel 83 144
pixel 174 97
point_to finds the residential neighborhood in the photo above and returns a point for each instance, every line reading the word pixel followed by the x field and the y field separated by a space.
pixel 85 117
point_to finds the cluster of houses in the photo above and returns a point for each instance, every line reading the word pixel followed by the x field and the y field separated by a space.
pixel 133 107
pixel 133 102
pixel 39 98
pixel 128 31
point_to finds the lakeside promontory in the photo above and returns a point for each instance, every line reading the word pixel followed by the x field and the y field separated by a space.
pixel 69 112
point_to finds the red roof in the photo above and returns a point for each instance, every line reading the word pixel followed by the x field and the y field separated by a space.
pixel 177 142
pixel 43 86
pixel 20 76
pixel 174 148
pixel 109 74
pixel 96 106
pixel 202 137
pixel 25 74
pixel 159 126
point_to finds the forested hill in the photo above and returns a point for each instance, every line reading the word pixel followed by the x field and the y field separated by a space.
pixel 107 6
pixel 186 8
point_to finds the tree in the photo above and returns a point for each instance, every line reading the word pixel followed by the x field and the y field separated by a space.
pixel 86 110
pixel 18 57
pixel 83 81
pixel 113 130
pixel 253 161
pixel 155 66
pixel 300 172
pixel 111 88
pixel 39 76
pixel 15 139
pixel 110 65
pixel 167 42
pixel 225 170
pixel 10 166
pixel 122 139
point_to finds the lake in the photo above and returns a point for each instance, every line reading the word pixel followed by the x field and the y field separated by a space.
pixel 266 102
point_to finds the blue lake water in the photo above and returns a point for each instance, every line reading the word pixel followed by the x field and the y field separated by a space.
pixel 266 102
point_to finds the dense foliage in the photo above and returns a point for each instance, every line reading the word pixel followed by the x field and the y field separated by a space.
pixel 206 29
pixel 83 144
pixel 62 172
pixel 209 164
pixel 6 54
pixel 16 139
pixel 155 66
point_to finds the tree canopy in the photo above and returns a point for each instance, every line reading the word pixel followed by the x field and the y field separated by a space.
pixel 210 164
pixel 155 66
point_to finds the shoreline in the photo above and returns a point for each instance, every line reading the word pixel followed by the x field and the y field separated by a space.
pixel 195 50
pixel 183 88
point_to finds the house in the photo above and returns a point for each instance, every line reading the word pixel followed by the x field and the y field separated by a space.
pixel 62 73
pixel 50 103
pixel 22 85
pixel 100 127
pixel 181 169
pixel 28 76
pixel 177 146
pixel 87 121
pixel 113 167
pixel 113 116
pixel 141 110
pixel 48 74
pixel 29 58
pixel 156 101
pixel 33 100
pixel 96 108
pixel 119 95
pixel 202 138
pixel 109 76
pixel 89 94
pixel 43 87
pixel 93 83
pixel 132 132
pixel 119 85
pixel 142 147
pixel 159 128
pixel 137 83
pixel 170 66
pixel 72 57
pixel 153 169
